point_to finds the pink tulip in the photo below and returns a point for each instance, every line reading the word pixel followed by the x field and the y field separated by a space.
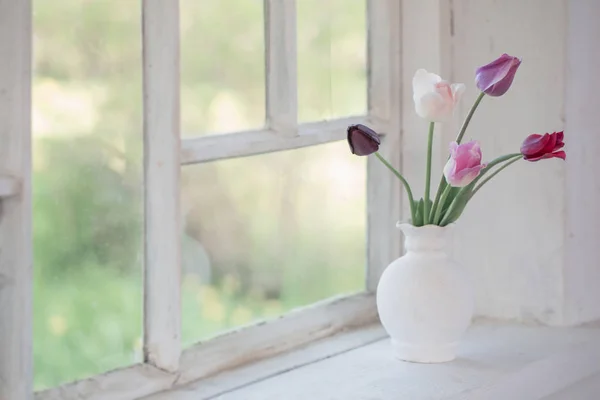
pixel 464 164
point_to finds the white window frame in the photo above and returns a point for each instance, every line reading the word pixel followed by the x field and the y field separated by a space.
pixel 165 364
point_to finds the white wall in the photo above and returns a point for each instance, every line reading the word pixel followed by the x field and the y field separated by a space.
pixel 531 237
pixel 582 189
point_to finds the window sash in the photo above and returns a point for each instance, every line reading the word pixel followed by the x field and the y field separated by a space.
pixel 281 66
pixel 164 362
pixel 16 275
pixel 384 202
pixel 227 351
pixel 162 233
pixel 261 141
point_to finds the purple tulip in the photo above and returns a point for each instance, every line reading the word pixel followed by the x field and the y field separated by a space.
pixel 362 140
pixel 495 78
pixel 464 164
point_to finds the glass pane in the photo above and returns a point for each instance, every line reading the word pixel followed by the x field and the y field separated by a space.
pixel 87 181
pixel 222 66
pixel 332 59
pixel 256 245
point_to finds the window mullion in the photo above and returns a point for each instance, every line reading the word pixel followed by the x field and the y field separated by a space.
pixel 162 305
pixel 383 189
pixel 249 143
pixel 281 66
pixel 16 277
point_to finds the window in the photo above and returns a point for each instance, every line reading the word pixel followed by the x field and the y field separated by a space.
pixel 147 127
pixel 87 188
pixel 251 253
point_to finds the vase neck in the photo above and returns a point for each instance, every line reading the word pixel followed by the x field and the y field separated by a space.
pixel 428 238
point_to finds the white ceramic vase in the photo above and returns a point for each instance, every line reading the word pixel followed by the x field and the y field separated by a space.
pixel 424 299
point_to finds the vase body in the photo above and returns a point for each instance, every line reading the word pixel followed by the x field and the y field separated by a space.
pixel 424 299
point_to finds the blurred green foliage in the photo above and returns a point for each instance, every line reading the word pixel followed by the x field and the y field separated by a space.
pixel 261 235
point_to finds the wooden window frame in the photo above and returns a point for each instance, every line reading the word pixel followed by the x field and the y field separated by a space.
pixel 165 364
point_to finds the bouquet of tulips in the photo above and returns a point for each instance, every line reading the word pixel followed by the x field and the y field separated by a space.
pixel 464 173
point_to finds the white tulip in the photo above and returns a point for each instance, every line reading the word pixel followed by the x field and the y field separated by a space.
pixel 435 99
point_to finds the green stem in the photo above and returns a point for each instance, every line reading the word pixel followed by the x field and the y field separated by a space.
pixel 461 133
pixel 471 185
pixel 438 211
pixel 517 158
pixel 441 187
pixel 404 182
pixel 428 174
pixel 463 128
pixel 495 162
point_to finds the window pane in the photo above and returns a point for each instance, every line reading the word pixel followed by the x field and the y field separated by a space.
pixel 222 66
pixel 87 181
pixel 332 77
pixel 268 233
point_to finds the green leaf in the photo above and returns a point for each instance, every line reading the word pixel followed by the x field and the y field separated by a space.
pixel 456 211
pixel 451 196
pixel 419 212
pixel 418 221
pixel 457 206
pixel 429 203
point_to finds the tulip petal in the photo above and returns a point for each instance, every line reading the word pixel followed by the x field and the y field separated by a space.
pixel 560 154
pixel 453 147
pixel 431 106
pixel 449 169
pixel 457 91
pixel 423 82
pixel 534 144
pixel 491 76
pixel 538 147
pixel 464 177
pixel 560 136
pixel 434 98
pixel 495 78
pixel 549 147
pixel 464 164
pixel 362 140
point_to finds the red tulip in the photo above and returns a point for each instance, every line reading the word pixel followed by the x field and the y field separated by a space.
pixel 363 140
pixel 537 147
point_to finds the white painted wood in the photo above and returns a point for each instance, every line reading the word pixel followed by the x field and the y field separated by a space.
pixel 234 349
pixel 9 186
pixel 551 202
pixel 543 377
pixel 384 196
pixel 16 273
pixel 513 361
pixel 582 188
pixel 162 304
pixel 586 389
pixel 281 66
pixel 123 384
pixel 511 237
pixel 267 340
pixel 241 144
pixel 240 377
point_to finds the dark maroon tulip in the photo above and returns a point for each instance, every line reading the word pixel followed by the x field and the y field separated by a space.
pixel 537 147
pixel 362 140
pixel 495 78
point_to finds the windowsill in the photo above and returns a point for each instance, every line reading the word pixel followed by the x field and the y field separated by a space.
pixel 496 361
